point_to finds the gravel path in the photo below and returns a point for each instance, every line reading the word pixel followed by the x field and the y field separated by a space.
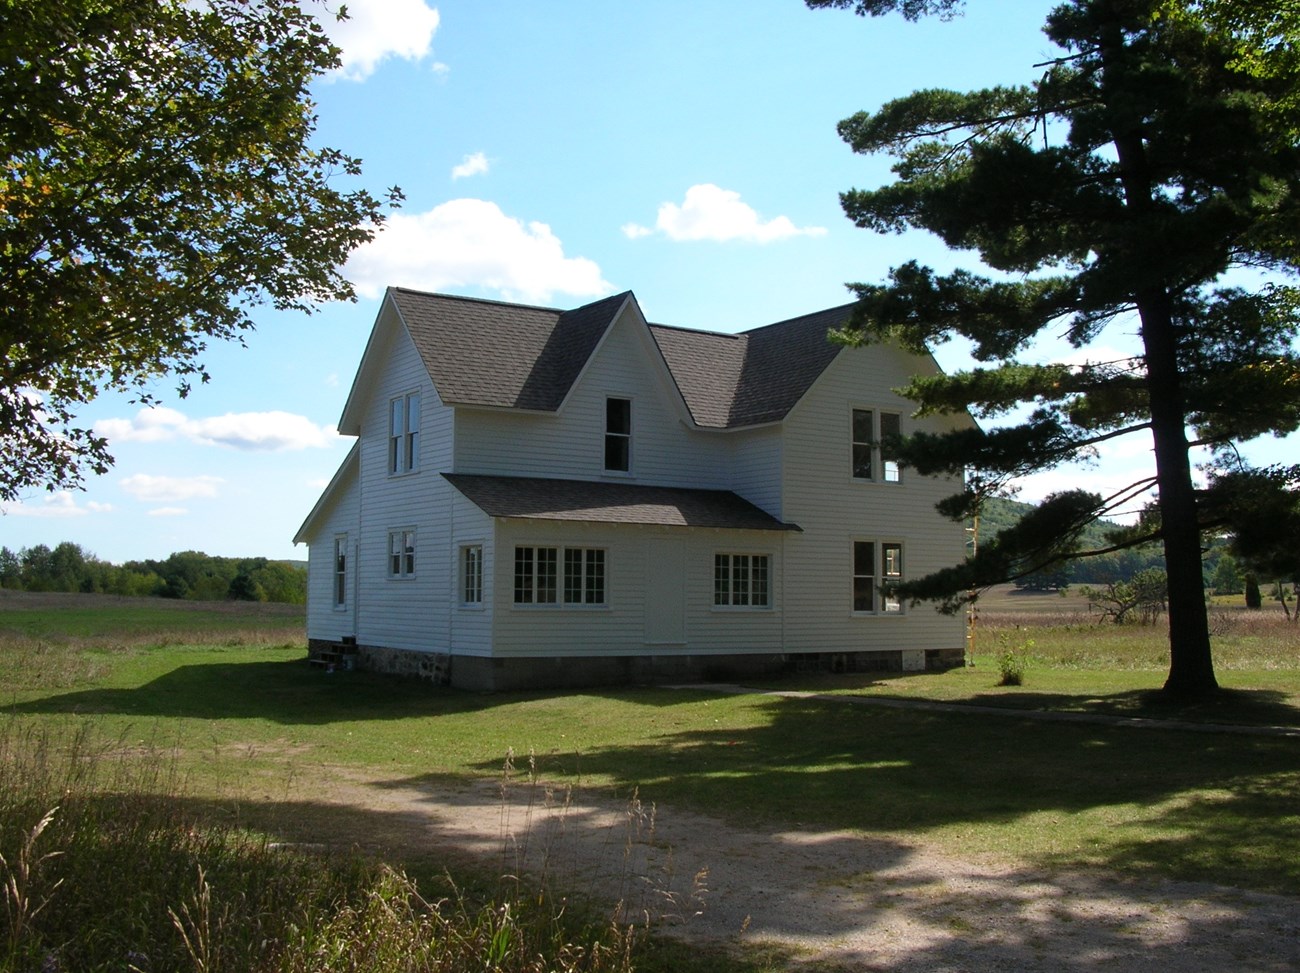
pixel 839 897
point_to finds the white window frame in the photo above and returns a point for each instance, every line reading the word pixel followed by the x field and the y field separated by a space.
pixel 885 572
pixel 622 437
pixel 736 577
pixel 880 466
pixel 339 573
pixel 471 575
pixel 575 577
pixel 404 434
pixel 401 553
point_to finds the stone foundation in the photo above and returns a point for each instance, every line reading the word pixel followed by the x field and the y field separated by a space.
pixel 577 672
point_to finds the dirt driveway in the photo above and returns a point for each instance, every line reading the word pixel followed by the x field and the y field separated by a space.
pixel 839 897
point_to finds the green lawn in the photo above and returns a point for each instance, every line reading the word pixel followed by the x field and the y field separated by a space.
pixel 1206 805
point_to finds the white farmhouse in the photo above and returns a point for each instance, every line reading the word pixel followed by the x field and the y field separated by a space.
pixel 563 498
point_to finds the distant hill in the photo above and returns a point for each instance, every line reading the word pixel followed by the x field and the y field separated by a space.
pixel 998 514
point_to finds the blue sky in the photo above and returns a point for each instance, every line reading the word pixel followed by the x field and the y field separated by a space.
pixel 550 153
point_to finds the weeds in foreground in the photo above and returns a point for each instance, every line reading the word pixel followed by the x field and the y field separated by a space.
pixel 120 877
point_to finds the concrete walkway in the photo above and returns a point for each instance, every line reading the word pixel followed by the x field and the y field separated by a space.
pixel 1052 716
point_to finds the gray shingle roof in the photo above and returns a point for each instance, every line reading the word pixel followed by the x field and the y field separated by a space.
pixel 537 498
pixel 508 355
pixel 514 356
pixel 754 377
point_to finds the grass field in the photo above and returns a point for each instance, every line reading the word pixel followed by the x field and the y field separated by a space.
pixel 232 709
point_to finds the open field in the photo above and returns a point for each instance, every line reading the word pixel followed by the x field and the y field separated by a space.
pixel 261 740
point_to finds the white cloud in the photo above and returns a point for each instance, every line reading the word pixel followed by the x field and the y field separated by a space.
pixel 260 431
pixel 250 431
pixel 60 504
pixel 169 489
pixel 471 243
pixel 471 165
pixel 379 29
pixel 149 426
pixel 709 212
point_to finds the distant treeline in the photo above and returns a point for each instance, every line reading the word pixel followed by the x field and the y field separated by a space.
pixel 187 574
pixel 1221 570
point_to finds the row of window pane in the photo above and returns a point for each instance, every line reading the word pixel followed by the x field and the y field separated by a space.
pixel 537 576
pixel 741 579
pixel 870 448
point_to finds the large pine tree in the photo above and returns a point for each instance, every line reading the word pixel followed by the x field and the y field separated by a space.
pixel 1149 181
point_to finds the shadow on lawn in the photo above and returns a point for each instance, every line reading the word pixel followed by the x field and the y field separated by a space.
pixel 844 893
pixel 828 763
pixel 284 692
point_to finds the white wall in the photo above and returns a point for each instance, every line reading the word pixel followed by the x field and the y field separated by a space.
pixel 833 508
pixel 324 619
pixel 404 613
pixel 619 627
pixel 570 443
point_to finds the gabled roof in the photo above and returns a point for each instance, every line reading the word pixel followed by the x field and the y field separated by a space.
pixel 537 498
pixel 346 472
pixel 515 356
pixel 487 353
pixel 754 377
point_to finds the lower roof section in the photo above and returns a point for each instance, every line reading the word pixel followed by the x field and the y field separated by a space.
pixel 583 501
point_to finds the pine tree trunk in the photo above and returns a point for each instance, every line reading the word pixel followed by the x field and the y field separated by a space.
pixel 1191 665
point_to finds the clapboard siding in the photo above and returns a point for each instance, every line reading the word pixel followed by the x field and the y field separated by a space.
pixel 821 496
pixel 325 621
pixel 570 442
pixel 619 626
pixel 471 626
pixel 404 613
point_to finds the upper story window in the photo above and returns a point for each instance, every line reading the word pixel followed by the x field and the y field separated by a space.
pixel 618 435
pixel 404 433
pixel 875 581
pixel 741 580
pixel 874 453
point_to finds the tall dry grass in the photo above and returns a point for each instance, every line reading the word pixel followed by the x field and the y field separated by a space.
pixel 104 865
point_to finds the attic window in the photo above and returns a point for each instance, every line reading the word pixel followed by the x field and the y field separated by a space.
pixel 618 435
pixel 404 433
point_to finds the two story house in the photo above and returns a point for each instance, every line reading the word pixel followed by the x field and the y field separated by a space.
pixel 563 498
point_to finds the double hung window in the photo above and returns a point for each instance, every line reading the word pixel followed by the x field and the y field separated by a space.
pixel 874 450
pixel 401 553
pixel 618 435
pixel 471 574
pixel 877 572
pixel 404 433
pixel 341 571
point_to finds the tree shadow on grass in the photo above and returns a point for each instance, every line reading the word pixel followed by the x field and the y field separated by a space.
pixel 845 900
pixel 283 692
pixel 828 764
pixel 1228 707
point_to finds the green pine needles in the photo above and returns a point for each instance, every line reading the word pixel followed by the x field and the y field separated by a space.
pixel 1149 181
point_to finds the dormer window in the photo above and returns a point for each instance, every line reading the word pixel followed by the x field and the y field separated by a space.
pixel 403 433
pixel 618 435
